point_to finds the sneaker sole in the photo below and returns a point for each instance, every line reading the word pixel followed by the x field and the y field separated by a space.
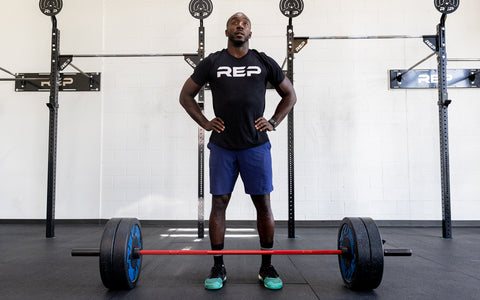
pixel 215 286
pixel 270 287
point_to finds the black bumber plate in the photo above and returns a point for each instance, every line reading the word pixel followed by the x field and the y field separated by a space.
pixel 375 271
pixel 106 252
pixel 126 268
pixel 119 269
pixel 356 266
pixel 446 6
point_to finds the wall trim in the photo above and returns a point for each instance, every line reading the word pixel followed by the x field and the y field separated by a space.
pixel 251 223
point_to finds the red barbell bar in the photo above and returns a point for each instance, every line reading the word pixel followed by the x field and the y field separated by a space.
pixel 239 252
pixel 138 252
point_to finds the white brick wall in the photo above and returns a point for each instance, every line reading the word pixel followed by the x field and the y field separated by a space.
pixel 131 150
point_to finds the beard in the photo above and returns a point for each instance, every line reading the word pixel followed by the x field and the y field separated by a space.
pixel 238 42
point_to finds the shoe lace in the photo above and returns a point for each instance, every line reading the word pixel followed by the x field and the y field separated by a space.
pixel 270 272
pixel 217 272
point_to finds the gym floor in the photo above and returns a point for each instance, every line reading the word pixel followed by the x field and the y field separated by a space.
pixel 34 267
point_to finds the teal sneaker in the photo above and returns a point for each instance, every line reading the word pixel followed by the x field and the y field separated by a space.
pixel 269 277
pixel 217 277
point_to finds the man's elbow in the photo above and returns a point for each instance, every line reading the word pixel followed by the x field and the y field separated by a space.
pixel 184 98
pixel 293 99
pixel 181 100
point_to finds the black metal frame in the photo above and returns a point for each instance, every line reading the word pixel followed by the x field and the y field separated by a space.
pixel 53 122
pixel 428 78
pixel 56 66
pixel 291 157
pixel 201 142
pixel 443 122
pixel 440 50
pixel 68 82
pixel 443 103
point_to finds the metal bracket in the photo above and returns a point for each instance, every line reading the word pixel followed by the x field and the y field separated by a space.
pixel 299 43
pixel 192 60
pixel 431 41
pixel 65 61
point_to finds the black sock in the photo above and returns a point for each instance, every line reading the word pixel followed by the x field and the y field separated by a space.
pixel 266 258
pixel 218 259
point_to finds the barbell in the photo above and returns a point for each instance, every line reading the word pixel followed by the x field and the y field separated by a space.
pixel 359 248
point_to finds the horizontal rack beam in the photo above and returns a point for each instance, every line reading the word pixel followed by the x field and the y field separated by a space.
pixel 463 59
pixel 359 37
pixel 133 55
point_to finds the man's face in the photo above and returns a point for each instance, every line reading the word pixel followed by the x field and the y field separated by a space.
pixel 238 29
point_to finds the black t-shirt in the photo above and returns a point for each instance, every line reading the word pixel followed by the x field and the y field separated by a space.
pixel 238 88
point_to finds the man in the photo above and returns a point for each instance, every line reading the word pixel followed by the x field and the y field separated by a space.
pixel 239 143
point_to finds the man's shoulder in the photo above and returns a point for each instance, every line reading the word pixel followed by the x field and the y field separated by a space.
pixel 259 53
pixel 215 55
pixel 208 61
pixel 267 60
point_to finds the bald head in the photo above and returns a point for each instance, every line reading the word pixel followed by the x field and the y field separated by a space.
pixel 238 15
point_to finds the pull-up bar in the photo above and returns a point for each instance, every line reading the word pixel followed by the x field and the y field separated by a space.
pixel 135 55
pixel 464 59
pixel 361 37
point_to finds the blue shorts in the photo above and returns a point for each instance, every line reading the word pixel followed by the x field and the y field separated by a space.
pixel 254 166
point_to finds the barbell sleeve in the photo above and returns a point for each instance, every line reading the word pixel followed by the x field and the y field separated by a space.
pixel 397 252
pixel 86 252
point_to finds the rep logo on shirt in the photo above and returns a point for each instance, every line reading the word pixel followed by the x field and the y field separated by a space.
pixel 238 71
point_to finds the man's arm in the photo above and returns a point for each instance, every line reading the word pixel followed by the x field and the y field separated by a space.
pixel 289 98
pixel 187 100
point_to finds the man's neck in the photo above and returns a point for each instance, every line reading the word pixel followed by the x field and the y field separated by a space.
pixel 237 51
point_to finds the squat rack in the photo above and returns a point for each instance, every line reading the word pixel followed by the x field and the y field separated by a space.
pixel 293 8
pixel 199 10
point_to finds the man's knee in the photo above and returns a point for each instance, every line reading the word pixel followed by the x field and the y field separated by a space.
pixel 261 202
pixel 220 202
